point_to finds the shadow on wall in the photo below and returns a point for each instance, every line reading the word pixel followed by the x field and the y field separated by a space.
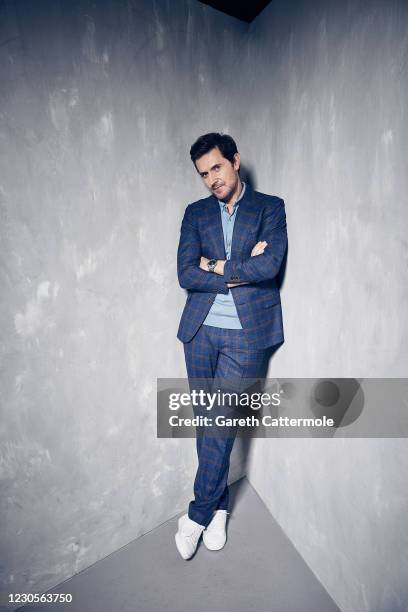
pixel 244 447
pixel 247 174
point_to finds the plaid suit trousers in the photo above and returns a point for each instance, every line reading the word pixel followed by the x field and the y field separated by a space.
pixel 218 359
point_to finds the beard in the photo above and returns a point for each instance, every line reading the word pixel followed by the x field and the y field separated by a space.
pixel 225 194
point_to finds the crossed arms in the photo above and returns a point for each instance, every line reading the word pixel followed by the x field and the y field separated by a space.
pixel 263 264
pixel 258 249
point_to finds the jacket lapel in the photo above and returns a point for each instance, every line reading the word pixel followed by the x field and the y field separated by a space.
pixel 215 233
pixel 245 222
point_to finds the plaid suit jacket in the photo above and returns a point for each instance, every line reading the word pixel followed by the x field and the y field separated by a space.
pixel 259 217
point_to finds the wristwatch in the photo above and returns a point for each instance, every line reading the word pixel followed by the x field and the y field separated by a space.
pixel 211 264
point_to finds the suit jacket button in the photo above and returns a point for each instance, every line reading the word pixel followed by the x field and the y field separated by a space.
pixel 210 300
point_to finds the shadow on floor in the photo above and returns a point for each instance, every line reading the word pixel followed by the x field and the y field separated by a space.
pixel 258 569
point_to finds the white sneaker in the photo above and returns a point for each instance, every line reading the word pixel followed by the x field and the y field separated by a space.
pixel 214 537
pixel 187 536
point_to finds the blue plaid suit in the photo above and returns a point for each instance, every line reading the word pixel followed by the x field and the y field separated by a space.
pixel 218 358
pixel 259 217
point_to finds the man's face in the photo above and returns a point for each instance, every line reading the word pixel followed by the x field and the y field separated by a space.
pixel 218 173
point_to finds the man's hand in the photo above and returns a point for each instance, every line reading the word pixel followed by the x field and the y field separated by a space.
pixel 203 263
pixel 259 248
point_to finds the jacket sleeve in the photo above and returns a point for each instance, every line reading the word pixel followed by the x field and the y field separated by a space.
pixel 265 266
pixel 190 275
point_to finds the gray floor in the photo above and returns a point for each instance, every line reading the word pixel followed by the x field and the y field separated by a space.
pixel 258 569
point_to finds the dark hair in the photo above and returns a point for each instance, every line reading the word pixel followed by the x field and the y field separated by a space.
pixel 205 143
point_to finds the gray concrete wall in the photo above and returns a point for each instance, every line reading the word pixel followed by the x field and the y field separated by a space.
pixel 99 106
pixel 326 129
pixel 100 102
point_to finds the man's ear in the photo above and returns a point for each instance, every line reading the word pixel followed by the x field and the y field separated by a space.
pixel 237 161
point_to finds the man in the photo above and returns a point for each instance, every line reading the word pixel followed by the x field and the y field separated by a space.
pixel 231 248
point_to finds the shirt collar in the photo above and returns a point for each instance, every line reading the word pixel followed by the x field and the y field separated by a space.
pixel 241 195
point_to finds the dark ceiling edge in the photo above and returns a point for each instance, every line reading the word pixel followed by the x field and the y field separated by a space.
pixel 225 11
pixel 242 21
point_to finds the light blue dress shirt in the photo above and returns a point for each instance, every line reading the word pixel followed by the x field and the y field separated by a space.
pixel 223 312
